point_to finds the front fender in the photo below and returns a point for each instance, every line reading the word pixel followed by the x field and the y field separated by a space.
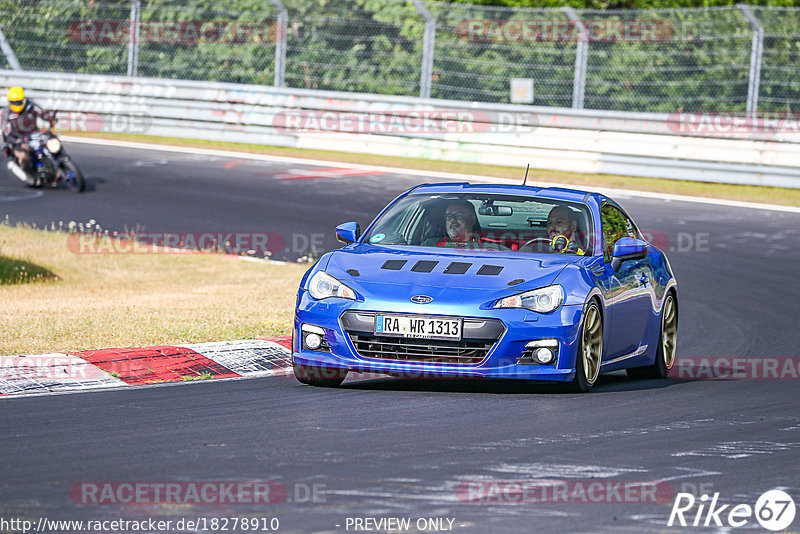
pixel 318 265
pixel 578 282
pixel 663 278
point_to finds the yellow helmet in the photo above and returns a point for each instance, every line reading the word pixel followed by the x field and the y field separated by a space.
pixel 16 99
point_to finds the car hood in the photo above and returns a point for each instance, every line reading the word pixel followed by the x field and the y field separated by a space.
pixel 364 265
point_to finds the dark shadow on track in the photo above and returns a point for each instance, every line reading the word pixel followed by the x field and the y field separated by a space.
pixel 605 384
pixel 91 183
pixel 23 191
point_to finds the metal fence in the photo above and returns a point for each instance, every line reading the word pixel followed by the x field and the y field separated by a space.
pixel 739 58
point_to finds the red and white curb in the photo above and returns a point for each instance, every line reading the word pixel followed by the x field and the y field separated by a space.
pixel 110 368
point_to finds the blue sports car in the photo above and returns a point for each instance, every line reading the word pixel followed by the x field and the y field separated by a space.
pixel 492 281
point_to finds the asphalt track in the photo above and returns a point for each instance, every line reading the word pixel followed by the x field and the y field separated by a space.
pixel 392 448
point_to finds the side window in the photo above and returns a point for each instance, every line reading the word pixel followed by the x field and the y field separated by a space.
pixel 410 222
pixel 397 224
pixel 616 225
pixel 429 226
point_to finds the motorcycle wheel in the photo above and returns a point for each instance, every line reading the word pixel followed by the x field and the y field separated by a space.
pixel 73 177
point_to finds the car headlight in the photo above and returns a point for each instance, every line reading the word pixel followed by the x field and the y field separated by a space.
pixel 542 300
pixel 323 286
pixel 53 145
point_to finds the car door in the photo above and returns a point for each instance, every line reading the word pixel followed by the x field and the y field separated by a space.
pixel 627 290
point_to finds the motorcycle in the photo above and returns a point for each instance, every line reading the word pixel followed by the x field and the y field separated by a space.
pixel 50 163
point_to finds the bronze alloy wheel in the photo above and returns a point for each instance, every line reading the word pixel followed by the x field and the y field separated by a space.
pixel 592 343
pixel 667 338
pixel 669 331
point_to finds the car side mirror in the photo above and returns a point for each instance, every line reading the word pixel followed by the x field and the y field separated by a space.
pixel 628 248
pixel 348 232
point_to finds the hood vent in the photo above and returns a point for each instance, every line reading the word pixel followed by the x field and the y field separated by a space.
pixel 490 270
pixel 424 266
pixel 457 267
pixel 353 272
pixel 394 265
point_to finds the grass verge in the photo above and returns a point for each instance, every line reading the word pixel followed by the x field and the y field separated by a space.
pixel 123 300
pixel 747 193
pixel 14 272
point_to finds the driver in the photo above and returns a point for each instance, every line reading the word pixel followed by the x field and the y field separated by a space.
pixel 18 120
pixel 461 224
pixel 461 227
pixel 562 222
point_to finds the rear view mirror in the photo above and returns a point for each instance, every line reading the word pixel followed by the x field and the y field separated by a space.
pixel 495 211
pixel 628 248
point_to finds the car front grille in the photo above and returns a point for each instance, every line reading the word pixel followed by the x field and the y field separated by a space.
pixel 480 335
pixel 420 350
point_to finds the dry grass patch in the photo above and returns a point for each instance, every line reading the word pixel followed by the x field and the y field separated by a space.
pixel 123 300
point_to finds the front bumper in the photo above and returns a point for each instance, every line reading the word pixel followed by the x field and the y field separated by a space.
pixel 501 361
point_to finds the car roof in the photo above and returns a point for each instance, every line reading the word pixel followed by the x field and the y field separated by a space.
pixel 554 193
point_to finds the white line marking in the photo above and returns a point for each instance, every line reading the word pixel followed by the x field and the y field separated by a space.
pixel 690 473
pixel 431 174
pixel 150 163
pixel 18 194
pixel 547 470
pixel 739 449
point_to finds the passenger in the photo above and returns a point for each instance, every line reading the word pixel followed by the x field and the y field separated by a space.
pixel 561 221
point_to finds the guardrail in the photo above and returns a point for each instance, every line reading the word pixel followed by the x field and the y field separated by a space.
pixel 686 147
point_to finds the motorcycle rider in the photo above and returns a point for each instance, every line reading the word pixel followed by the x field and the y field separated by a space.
pixel 17 121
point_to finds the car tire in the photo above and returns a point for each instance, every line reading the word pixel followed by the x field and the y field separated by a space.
pixel 590 350
pixel 667 337
pixel 326 377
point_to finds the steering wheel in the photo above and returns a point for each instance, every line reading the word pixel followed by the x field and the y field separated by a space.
pixel 537 240
pixel 552 242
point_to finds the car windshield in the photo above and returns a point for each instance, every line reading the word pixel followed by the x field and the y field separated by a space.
pixel 487 222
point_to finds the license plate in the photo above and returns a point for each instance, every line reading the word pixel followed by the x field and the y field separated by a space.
pixel 418 326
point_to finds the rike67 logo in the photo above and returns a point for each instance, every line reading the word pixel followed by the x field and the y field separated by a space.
pixel 774 510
